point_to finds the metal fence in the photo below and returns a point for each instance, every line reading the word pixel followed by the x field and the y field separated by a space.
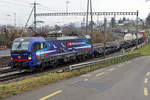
pixel 107 61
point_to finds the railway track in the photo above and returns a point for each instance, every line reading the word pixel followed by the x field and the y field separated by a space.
pixel 14 75
pixel 5 68
pixel 8 70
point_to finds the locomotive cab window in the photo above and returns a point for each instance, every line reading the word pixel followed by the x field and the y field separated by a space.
pixel 37 46
pixel 19 46
pixel 43 45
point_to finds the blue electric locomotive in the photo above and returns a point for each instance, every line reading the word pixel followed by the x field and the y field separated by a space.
pixel 37 52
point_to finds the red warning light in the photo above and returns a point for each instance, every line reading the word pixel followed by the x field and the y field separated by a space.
pixel 69 44
pixel 19 57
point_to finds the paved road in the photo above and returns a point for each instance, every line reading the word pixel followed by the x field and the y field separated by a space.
pixel 125 81
pixel 4 52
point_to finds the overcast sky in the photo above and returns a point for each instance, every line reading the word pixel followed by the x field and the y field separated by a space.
pixel 22 8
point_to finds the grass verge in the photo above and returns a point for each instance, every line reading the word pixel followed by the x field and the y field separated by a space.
pixel 14 88
pixel 145 50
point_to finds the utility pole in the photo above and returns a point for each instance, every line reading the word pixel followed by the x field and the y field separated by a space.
pixel 91 11
pixel 15 19
pixel 35 15
pixel 9 19
pixel 67 6
pixel 89 6
pixel 115 21
pixel 137 24
pixel 87 16
pixel 83 23
pixel 97 20
pixel 105 26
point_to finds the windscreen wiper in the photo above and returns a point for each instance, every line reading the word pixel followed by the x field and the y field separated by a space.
pixel 19 46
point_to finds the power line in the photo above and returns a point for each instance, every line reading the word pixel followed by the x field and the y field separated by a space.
pixel 28 20
pixel 45 7
pixel 12 10
pixel 85 13
pixel 16 4
pixel 23 1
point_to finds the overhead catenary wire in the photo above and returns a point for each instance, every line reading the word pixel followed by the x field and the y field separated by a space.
pixel 24 1
pixel 16 4
pixel 27 21
pixel 47 8
pixel 29 17
pixel 19 1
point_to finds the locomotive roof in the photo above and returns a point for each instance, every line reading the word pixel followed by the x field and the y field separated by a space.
pixel 64 38
pixel 28 39
pixel 67 38
pixel 23 39
pixel 51 38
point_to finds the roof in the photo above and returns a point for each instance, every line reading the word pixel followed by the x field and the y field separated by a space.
pixel 29 39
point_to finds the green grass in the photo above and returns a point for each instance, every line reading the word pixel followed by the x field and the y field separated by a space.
pixel 14 88
pixel 145 50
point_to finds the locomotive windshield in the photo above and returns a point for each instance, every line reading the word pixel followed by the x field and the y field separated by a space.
pixel 20 45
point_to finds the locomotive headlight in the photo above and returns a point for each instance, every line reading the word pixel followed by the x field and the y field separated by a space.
pixel 29 57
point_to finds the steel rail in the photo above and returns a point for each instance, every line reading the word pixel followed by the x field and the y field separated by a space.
pixel 81 65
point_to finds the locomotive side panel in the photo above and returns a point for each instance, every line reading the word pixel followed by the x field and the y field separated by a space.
pixel 40 52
